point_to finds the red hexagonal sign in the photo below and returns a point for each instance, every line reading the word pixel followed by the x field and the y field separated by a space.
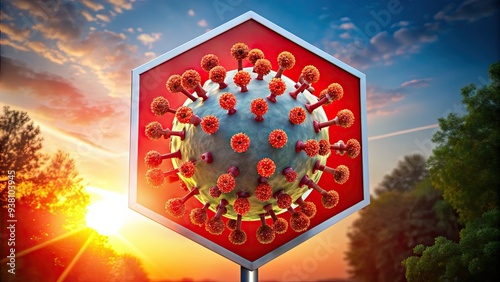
pixel 248 140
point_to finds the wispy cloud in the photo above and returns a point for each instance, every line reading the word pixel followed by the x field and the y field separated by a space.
pixel 53 96
pixel 59 22
pixel 149 39
pixel 120 5
pixel 357 46
pixel 401 132
pixel 424 82
pixel 469 10
pixel 382 101
pixel 191 13
pixel 103 18
pixel 93 5
pixel 352 45
pixel 14 33
pixel 202 23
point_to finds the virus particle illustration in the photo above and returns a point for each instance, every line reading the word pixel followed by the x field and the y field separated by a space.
pixel 243 151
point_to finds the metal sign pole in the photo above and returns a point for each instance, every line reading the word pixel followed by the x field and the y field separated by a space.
pixel 247 275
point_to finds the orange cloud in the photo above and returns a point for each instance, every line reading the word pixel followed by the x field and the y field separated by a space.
pixel 53 96
pixel 92 5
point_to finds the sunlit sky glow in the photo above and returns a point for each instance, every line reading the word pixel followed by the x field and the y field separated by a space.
pixel 68 64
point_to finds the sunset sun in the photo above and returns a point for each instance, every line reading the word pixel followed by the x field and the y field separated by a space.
pixel 105 216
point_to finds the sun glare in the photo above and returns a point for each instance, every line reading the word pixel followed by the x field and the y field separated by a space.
pixel 106 216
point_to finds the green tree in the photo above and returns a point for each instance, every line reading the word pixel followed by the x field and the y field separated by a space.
pixel 466 160
pixel 411 170
pixel 474 258
pixel 392 225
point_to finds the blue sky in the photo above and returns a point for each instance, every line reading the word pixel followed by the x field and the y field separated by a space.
pixel 68 64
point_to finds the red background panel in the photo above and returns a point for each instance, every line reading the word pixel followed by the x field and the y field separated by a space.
pixel 255 35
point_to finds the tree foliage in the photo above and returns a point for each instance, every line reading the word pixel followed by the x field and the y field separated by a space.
pixel 57 187
pixel 466 160
pixel 474 258
pixel 20 143
pixel 394 223
pixel 409 171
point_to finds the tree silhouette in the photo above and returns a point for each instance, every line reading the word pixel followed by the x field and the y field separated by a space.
pixel 20 143
pixel 411 170
pixel 466 160
pixel 394 223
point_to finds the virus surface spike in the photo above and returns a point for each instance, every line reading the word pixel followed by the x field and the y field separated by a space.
pixel 154 131
pixel 191 79
pixel 207 157
pixel 239 51
pixel 340 174
pixel 215 225
pixel 344 118
pixel 238 236
pixel 242 79
pixel 283 200
pixel 259 108
pixel 161 106
pixel 218 75
pixel 308 208
pixel 265 233
pixel 352 148
pixel 226 182
pixel 185 114
pixel 175 206
pixel 198 216
pixel 300 82
pixel 262 67
pixel 299 222
pixel 280 225
pixel 266 167
pixel 227 101
pixel 297 115
pixel 332 93
pixel 329 199
pixel 286 61
pixel 254 55
pixel 174 85
pixel 278 138
pixel 209 61
pixel 290 174
pixel 310 74
pixel 241 206
pixel 154 159
pixel 187 169
pixel 215 192
pixel 311 147
pixel 324 147
pixel 155 177
pixel 240 142
pixel 277 87
pixel 210 124
pixel 263 192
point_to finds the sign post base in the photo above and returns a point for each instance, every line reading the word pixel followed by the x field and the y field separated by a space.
pixel 247 275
